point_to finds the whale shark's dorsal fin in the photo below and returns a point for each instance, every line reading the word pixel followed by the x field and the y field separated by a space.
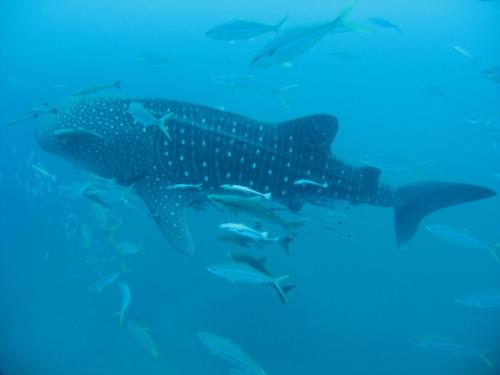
pixel 315 132
pixel 167 209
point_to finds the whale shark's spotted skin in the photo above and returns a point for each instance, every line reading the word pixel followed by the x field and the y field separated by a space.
pixel 211 147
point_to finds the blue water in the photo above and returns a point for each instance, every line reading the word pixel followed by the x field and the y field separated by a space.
pixel 358 297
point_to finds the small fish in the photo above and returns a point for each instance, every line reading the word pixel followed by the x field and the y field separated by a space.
pixel 250 206
pixel 294 42
pixel 108 193
pixel 40 169
pixel 103 282
pixel 77 133
pixel 43 109
pixel 246 190
pixel 462 237
pixel 388 163
pixel 27 117
pixel 103 219
pixel 241 30
pixel 486 124
pixel 98 88
pixel 126 299
pixel 230 353
pixel 489 299
pixel 382 22
pixel 253 235
pixel 153 58
pixel 86 233
pixel 492 74
pixel 445 344
pixel 126 247
pixel 253 85
pixel 184 187
pixel 462 51
pixel 141 335
pixel 304 182
pixel 435 91
pixel 244 273
pixel 142 116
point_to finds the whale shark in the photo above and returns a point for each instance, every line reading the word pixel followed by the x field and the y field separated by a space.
pixel 210 148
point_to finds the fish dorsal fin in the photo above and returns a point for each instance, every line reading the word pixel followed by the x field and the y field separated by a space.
pixel 315 132
pixel 167 209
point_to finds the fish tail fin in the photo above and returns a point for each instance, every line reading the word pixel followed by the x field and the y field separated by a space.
pixel 345 12
pixel 484 356
pixel 267 196
pixel 163 125
pixel 495 251
pixel 415 201
pixel 281 292
pixel 284 101
pixel 110 231
pixel 285 243
pixel 119 315
pixel 281 94
pixel 293 226
pixel 356 27
pixel 420 168
pixel 277 27
pixel 349 25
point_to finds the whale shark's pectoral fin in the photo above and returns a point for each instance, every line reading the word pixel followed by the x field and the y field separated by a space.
pixel 167 209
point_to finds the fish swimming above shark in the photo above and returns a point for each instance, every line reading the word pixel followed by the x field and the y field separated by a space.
pixel 217 148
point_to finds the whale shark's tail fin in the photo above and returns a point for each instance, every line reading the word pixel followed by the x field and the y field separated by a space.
pixel 420 199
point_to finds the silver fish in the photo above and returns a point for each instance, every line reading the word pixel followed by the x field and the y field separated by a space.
pixel 126 299
pixel 231 353
pixel 382 22
pixel 18 120
pixel 305 182
pixel 489 299
pixel 42 171
pixel 250 206
pixel 253 85
pixel 294 42
pixel 462 51
pixel 141 335
pixel 437 343
pixel 394 164
pixel 126 247
pixel 246 190
pixel 104 282
pixel 462 237
pixel 184 187
pixel 252 235
pixel 77 133
pixel 142 116
pixel 242 272
pixel 492 74
pixel 435 91
pixel 98 88
pixel 241 30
